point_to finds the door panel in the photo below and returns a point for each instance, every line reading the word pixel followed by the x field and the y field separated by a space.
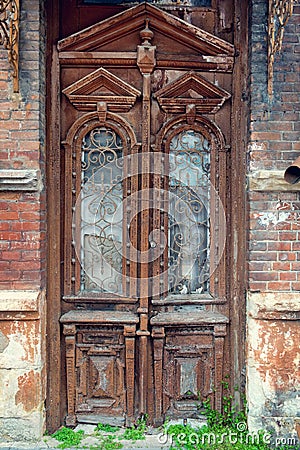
pixel 145 131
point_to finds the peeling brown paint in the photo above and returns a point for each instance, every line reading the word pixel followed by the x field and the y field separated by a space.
pixel 28 393
pixel 27 334
pixel 277 354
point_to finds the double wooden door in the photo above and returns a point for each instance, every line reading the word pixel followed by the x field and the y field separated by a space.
pixel 145 131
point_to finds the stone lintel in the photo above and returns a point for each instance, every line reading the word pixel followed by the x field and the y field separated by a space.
pixel 273 305
pixel 270 180
pixel 19 301
pixel 20 180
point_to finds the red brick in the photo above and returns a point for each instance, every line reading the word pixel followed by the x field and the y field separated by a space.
pixel 287 276
pixel 257 286
pixel 4 226
pixel 22 135
pixel 4 115
pixel 10 236
pixel 30 216
pixel 287 236
pixel 263 256
pixel 256 266
pixel 295 266
pixel 281 266
pixel 263 276
pixel 26 226
pixel 11 255
pixel 17 284
pixel 296 246
pixel 7 285
pixel 11 125
pixel 5 145
pixel 30 255
pixel 8 275
pixel 280 246
pixel 279 286
pixel 287 256
pixel 4 245
pixel 25 206
pixel 9 215
pixel 266 136
pixel 26 265
pixel 34 275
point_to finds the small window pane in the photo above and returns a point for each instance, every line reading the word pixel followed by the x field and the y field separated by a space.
pixel 188 235
pixel 101 211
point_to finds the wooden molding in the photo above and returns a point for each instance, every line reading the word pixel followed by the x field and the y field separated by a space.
pixel 133 20
pixel 189 89
pixel 101 86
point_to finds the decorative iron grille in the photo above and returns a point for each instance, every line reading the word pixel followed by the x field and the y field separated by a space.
pixel 101 211
pixel 188 236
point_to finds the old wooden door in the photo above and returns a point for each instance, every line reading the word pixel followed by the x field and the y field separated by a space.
pixel 146 134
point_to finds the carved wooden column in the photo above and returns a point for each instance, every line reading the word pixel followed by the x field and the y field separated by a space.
pixel 158 335
pixel 70 332
pixel 146 63
pixel 219 333
pixel 129 333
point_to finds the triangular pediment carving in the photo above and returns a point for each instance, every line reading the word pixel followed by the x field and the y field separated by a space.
pixel 189 89
pixel 112 31
pixel 104 87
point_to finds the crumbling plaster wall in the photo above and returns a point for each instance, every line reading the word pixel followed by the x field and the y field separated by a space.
pixel 273 298
pixel 22 365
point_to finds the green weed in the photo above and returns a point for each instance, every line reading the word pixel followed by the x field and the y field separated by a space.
pixel 68 437
pixel 107 443
pixel 137 432
pixel 106 428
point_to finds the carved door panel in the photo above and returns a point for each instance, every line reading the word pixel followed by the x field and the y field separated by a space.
pixel 145 131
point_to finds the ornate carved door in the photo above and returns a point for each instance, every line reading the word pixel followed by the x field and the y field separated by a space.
pixel 145 137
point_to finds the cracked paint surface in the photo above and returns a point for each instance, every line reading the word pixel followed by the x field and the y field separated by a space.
pixel 273 358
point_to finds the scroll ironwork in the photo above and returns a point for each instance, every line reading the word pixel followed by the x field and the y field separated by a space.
pixel 101 220
pixel 9 35
pixel 279 13
pixel 189 186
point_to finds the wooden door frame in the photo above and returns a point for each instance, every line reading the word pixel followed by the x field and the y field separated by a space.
pixel 56 385
pixel 54 410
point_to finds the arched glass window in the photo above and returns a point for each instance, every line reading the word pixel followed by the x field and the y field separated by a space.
pixel 101 211
pixel 188 228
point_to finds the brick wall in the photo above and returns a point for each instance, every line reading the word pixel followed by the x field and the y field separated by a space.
pixel 274 144
pixel 273 382
pixel 22 214
pixel 23 234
